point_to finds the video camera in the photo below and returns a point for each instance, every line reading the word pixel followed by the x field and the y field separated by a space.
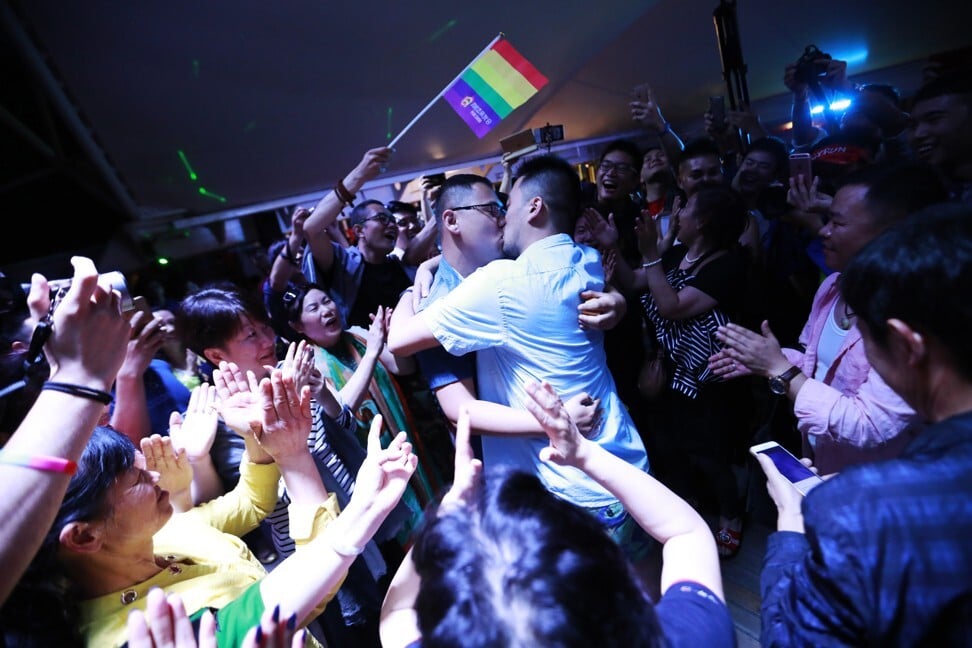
pixel 811 66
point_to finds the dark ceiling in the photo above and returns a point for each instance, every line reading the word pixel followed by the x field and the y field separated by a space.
pixel 106 107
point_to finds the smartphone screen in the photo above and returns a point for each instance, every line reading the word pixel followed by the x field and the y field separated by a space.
pixel 802 478
pixel 800 165
pixel 717 108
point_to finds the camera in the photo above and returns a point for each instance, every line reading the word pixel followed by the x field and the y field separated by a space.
pixel 548 134
pixel 811 66
pixel 114 280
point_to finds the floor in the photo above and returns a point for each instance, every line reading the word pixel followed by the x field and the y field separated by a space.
pixel 740 574
pixel 740 580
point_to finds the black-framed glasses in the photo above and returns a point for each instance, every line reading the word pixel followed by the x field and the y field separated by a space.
pixel 620 167
pixel 494 210
pixel 384 218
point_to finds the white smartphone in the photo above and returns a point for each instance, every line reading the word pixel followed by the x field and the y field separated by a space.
pixel 802 478
pixel 801 164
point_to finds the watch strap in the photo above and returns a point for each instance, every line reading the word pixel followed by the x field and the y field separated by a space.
pixel 789 374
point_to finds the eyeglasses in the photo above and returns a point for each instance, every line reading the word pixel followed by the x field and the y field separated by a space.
pixel 382 217
pixel 494 210
pixel 620 167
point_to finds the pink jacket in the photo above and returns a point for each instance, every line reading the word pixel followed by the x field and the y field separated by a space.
pixel 853 414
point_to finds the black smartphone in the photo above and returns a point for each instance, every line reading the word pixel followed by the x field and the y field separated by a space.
pixel 717 108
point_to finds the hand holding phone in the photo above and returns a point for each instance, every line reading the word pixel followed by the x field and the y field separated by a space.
pixel 802 478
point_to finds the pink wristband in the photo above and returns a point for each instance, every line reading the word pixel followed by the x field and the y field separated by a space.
pixel 40 462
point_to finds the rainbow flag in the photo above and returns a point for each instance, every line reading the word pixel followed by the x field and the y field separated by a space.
pixel 496 83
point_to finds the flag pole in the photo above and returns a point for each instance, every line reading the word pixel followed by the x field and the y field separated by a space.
pixel 442 92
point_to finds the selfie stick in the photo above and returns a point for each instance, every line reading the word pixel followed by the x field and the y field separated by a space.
pixel 392 143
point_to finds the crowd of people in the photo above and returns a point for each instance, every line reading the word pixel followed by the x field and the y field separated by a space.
pixel 520 415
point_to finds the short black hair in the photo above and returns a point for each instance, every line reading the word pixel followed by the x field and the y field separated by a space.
pixel 956 82
pixel 775 147
pixel 210 316
pixel 897 188
pixel 698 147
pixel 453 191
pixel 918 271
pixel 359 214
pixel 556 181
pixel 626 146
pixel 517 547
pixel 723 214
pixel 400 206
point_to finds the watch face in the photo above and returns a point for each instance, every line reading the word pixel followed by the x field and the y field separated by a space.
pixel 777 385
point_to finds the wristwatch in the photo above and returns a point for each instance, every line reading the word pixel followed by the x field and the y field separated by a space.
pixel 779 385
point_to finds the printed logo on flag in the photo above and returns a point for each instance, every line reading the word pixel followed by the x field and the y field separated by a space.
pixel 494 84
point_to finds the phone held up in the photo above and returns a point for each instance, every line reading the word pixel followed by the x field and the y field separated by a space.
pixel 717 108
pixel 800 164
pixel 802 478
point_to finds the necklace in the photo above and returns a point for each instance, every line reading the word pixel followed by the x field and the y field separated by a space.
pixel 845 322
pixel 690 260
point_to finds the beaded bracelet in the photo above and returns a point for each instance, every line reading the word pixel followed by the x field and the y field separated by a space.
pixel 343 194
pixel 39 462
pixel 80 391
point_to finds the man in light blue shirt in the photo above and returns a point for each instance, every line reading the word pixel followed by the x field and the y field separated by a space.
pixel 521 317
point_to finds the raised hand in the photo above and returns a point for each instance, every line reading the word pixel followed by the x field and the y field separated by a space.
pixel 806 196
pixel 602 230
pixel 646 232
pixel 378 331
pixel 467 477
pixel 297 222
pixel 239 403
pixel 565 439
pixel 285 420
pixel 89 335
pixel 299 362
pixel 172 464
pixel 196 432
pixel 147 337
pixel 645 110
pixel 373 162
pixel 383 476
pixel 746 120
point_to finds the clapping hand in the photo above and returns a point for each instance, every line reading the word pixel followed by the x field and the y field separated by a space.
pixel 602 230
pixel 285 416
pixel 172 465
pixel 196 432
pixel 378 331
pixel 299 362
pixel 758 353
pixel 239 403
